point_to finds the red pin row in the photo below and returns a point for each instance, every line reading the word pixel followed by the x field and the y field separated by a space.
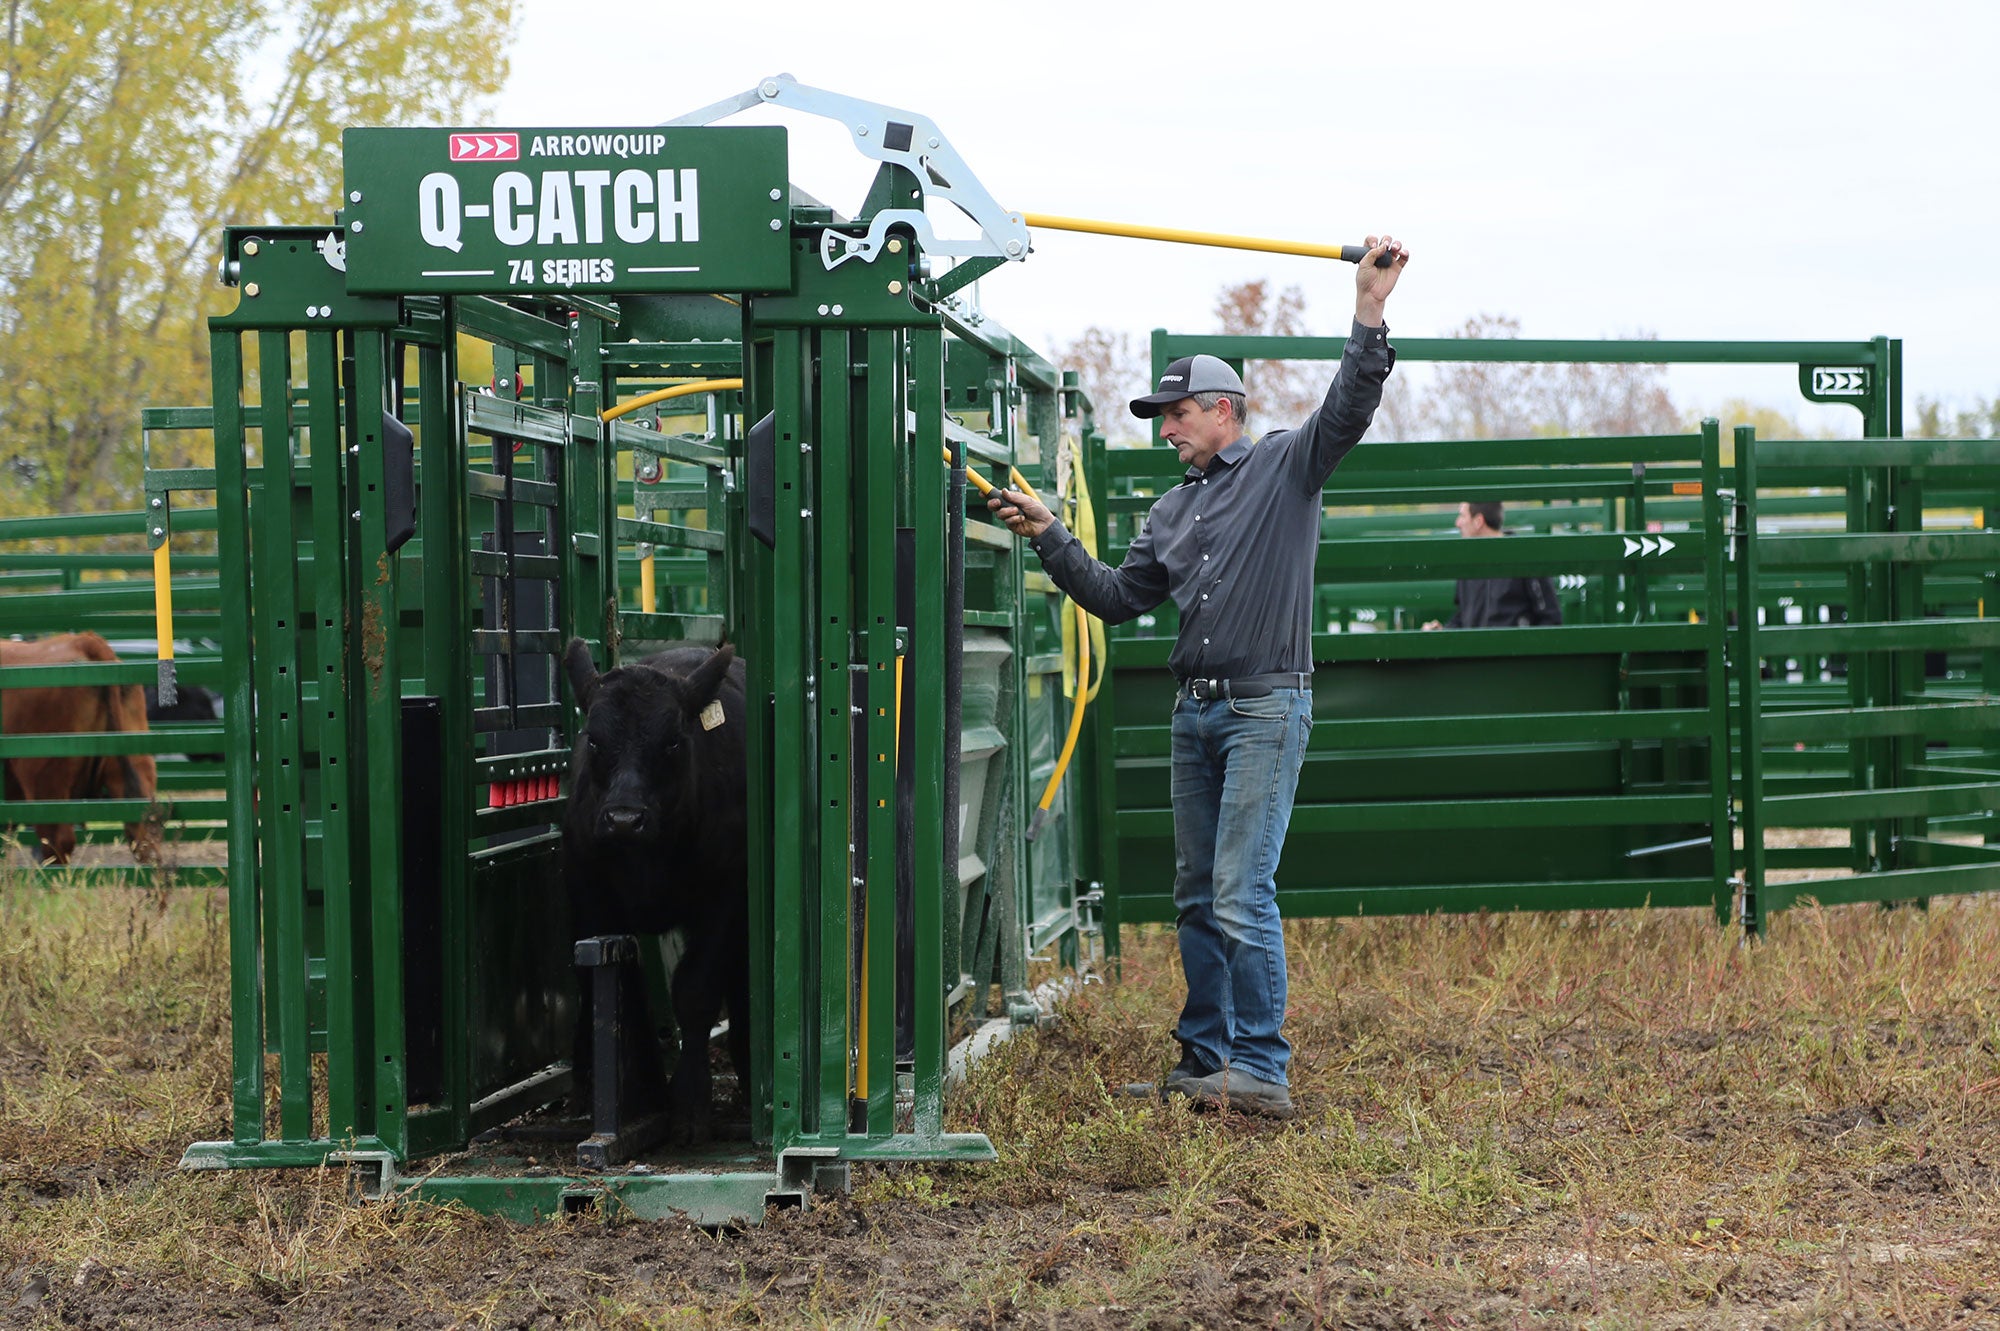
pixel 524 790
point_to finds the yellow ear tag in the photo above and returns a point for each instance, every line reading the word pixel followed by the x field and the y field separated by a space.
pixel 711 716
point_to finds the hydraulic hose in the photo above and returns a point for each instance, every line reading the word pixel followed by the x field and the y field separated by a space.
pixel 646 586
pixel 663 394
pixel 1048 799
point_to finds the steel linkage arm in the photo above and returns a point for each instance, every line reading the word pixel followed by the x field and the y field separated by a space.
pixel 904 139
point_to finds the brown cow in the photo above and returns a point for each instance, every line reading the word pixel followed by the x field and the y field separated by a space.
pixel 75 709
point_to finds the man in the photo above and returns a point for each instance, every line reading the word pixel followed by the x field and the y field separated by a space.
pixel 1233 544
pixel 1491 603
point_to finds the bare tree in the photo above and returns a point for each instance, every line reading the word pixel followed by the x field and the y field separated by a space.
pixel 1487 399
pixel 1112 367
pixel 1282 392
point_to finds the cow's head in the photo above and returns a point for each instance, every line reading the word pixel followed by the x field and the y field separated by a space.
pixel 640 758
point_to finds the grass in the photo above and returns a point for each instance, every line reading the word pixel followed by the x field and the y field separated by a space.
pixel 1601 1120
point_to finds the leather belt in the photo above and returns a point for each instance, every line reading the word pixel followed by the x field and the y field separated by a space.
pixel 1246 686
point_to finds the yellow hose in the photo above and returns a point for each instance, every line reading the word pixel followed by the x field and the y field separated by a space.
pixel 678 390
pixel 646 594
pixel 1048 799
pixel 1019 482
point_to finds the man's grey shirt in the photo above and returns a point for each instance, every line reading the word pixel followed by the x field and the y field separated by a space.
pixel 1234 545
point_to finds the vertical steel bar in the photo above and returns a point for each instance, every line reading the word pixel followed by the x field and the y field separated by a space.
pixel 933 876
pixel 444 525
pixel 752 577
pixel 793 786
pixel 877 522
pixel 374 664
pixel 1715 572
pixel 832 623
pixel 232 521
pixel 281 815
pixel 1756 905
pixel 321 623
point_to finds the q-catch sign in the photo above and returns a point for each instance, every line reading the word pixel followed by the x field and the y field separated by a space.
pixel 585 210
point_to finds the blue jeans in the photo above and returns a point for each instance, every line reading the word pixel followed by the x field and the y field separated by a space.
pixel 1236 769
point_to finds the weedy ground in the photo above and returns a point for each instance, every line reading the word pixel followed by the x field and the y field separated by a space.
pixel 1588 1120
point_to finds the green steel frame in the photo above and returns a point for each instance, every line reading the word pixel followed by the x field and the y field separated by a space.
pixel 400 969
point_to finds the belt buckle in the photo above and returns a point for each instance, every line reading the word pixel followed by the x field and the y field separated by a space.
pixel 1204 690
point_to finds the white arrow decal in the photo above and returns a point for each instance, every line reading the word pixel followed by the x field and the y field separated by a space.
pixel 1631 547
pixel 1665 545
pixel 1648 545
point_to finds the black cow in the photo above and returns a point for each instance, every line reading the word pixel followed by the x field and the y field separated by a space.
pixel 654 839
pixel 194 703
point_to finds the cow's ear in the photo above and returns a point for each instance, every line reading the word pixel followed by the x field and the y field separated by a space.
pixel 582 672
pixel 706 681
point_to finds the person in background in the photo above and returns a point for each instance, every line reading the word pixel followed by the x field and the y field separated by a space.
pixel 1491 603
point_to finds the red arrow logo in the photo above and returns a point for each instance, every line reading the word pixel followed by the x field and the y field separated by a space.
pixel 486 147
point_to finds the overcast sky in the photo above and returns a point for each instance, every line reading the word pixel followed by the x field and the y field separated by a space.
pixel 1695 170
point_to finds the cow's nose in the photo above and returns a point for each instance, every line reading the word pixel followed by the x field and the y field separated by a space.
pixel 624 822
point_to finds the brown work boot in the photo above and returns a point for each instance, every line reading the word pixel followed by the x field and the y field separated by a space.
pixel 1232 1088
pixel 1180 1080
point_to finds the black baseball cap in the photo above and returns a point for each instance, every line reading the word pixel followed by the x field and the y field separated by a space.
pixel 1186 377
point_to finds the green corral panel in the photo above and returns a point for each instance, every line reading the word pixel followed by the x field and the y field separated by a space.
pixel 1480 782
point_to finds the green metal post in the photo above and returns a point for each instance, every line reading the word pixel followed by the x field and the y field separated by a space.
pixel 1750 785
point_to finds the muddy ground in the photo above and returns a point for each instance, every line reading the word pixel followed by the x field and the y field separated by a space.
pixel 1603 1121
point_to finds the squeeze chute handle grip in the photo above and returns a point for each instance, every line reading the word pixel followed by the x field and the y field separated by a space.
pixel 1356 253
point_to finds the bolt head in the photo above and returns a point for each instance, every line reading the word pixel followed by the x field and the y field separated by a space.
pixel 159 531
pixel 156 503
pixel 1013 247
pixel 355 226
pixel 775 224
pixel 823 309
pixel 354 196
pixel 250 289
pixel 861 130
pixel 250 247
pixel 777 195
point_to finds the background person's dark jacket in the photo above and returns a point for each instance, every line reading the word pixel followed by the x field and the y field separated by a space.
pixel 1492 603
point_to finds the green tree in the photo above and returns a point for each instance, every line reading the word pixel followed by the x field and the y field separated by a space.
pixel 131 131
pixel 1941 419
